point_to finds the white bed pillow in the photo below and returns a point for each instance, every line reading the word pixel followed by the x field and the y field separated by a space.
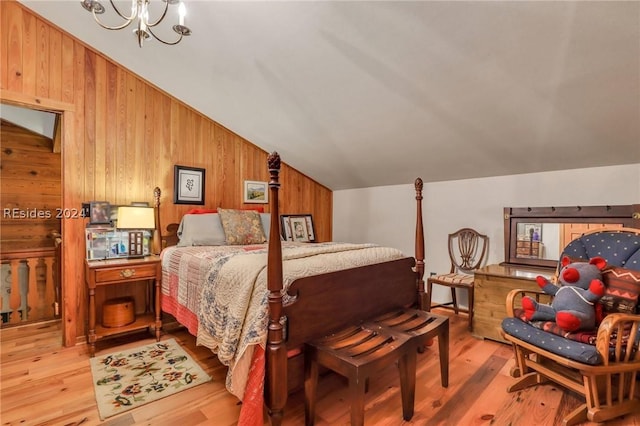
pixel 265 218
pixel 201 230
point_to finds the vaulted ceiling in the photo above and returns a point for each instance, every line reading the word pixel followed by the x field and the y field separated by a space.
pixel 370 93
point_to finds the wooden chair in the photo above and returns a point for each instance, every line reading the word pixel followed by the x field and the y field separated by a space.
pixel 467 250
pixel 606 373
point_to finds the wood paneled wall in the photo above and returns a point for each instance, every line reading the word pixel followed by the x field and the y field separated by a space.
pixel 30 188
pixel 122 137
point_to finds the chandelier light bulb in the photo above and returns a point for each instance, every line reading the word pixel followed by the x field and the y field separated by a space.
pixel 182 11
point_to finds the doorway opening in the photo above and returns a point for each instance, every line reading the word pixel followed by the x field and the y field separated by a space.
pixel 31 237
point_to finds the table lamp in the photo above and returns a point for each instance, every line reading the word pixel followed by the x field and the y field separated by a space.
pixel 135 219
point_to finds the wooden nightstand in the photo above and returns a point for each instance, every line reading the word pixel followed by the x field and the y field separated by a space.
pixel 119 271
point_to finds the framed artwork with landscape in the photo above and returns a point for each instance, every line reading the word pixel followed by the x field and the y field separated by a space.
pixel 256 192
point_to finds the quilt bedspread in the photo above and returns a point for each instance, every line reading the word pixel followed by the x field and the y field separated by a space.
pixel 184 269
pixel 231 309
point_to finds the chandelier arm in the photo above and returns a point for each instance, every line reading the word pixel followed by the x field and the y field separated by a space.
pixel 107 27
pixel 161 40
pixel 127 18
pixel 164 13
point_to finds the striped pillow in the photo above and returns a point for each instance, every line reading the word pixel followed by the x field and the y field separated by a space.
pixel 622 290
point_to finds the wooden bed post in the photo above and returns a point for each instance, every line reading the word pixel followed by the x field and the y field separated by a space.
pixel 419 249
pixel 276 353
pixel 156 246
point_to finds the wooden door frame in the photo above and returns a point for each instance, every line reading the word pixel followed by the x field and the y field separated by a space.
pixel 66 112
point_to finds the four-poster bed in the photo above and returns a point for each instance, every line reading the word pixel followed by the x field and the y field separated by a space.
pixel 315 305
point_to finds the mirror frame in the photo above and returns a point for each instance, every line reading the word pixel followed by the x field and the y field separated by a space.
pixel 627 215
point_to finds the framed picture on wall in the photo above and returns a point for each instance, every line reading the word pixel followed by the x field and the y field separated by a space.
pixel 256 192
pixel 188 185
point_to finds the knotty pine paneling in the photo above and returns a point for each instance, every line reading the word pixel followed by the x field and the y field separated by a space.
pixel 31 189
pixel 29 25
pixel 122 137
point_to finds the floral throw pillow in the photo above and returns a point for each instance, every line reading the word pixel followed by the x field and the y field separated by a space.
pixel 242 227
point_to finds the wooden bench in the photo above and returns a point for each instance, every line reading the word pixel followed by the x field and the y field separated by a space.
pixel 360 350
pixel 422 327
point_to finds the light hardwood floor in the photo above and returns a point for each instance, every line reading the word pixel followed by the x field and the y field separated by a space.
pixel 44 384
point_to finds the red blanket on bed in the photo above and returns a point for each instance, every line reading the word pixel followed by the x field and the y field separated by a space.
pixel 251 413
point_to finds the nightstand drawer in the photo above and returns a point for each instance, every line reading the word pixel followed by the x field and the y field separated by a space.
pixel 138 272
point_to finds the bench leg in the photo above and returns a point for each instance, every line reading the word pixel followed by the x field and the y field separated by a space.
pixel 443 349
pixel 407 369
pixel 310 386
pixel 356 396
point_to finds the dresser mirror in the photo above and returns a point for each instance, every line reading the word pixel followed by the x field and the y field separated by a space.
pixel 535 236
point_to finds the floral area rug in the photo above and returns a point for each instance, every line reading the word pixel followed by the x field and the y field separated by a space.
pixel 134 377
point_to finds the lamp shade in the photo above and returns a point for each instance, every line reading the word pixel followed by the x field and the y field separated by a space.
pixel 133 217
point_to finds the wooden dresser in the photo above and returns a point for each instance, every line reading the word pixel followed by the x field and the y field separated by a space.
pixel 492 283
pixel 526 248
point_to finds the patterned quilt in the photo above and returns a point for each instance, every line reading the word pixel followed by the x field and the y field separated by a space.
pixel 184 269
pixel 220 293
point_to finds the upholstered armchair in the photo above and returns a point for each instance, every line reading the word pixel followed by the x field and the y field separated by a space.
pixel 602 365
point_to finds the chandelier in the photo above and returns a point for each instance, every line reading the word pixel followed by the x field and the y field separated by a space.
pixel 140 12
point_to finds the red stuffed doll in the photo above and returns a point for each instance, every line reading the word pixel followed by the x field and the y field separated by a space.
pixel 573 306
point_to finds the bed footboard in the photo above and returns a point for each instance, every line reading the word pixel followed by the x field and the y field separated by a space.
pixel 325 303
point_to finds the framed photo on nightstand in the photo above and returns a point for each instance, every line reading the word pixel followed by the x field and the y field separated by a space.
pixel 99 213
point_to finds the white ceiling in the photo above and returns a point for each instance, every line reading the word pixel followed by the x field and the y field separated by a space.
pixel 40 122
pixel 370 93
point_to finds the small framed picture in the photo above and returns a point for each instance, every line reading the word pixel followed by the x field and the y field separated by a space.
pixel 99 212
pixel 285 227
pixel 298 227
pixel 256 192
pixel 312 235
pixel 188 185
